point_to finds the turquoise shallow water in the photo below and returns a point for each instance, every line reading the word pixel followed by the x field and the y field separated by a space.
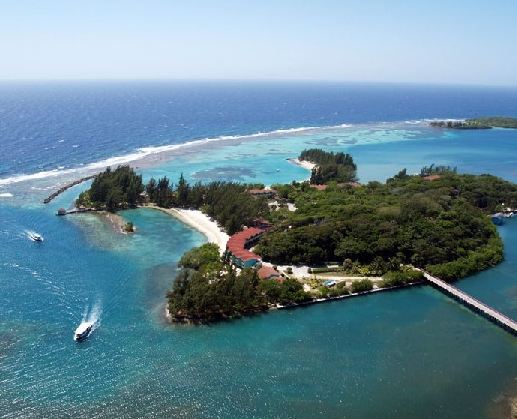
pixel 405 354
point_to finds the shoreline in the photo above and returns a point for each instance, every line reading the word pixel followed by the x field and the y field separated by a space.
pixel 200 222
pixel 351 295
pixel 170 317
pixel 302 163
pixel 116 221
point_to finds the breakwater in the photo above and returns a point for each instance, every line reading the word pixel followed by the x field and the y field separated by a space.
pixel 65 187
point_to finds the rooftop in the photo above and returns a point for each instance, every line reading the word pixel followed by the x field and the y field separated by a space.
pixel 266 272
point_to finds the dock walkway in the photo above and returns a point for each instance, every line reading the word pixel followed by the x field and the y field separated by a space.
pixel 493 315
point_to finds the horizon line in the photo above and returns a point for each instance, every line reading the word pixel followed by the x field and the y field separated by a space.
pixel 257 80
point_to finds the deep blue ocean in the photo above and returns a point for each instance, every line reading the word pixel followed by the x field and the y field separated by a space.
pixel 406 354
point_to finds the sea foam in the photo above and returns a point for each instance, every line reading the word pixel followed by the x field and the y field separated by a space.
pixel 143 152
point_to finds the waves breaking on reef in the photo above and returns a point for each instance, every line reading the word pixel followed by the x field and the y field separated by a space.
pixel 140 154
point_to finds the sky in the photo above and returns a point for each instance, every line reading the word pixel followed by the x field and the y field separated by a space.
pixel 454 41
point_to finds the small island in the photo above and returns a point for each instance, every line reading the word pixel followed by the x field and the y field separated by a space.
pixel 327 238
pixel 477 123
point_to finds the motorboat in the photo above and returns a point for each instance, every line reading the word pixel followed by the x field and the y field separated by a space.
pixel 35 237
pixel 83 331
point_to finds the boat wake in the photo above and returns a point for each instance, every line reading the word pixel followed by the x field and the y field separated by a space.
pixel 90 321
pixel 93 314
pixel 32 235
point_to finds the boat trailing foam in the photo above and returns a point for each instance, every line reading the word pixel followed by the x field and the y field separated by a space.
pixel 90 321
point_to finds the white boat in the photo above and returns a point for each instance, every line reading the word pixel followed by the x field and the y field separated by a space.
pixel 83 331
pixel 35 237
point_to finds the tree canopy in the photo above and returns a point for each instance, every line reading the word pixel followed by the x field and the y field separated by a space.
pixel 478 123
pixel 208 289
pixel 330 166
pixel 113 190
pixel 227 202
pixel 440 224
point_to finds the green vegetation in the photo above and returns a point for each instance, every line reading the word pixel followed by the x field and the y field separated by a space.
pixel 212 198
pixel 437 221
pixel 129 227
pixel 198 297
pixel 339 167
pixel 331 292
pixel 435 170
pixel 290 291
pixel 362 285
pixel 208 289
pixel 440 225
pixel 478 123
pixel 200 256
pixel 122 188
pixel 113 190
pixel 401 277
pixel 490 255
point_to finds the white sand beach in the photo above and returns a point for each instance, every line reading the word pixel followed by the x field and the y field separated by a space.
pixel 303 163
pixel 201 222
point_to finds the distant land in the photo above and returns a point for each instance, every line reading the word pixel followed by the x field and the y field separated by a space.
pixel 478 123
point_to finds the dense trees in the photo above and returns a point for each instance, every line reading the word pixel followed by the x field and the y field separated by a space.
pixel 113 190
pixel 401 277
pixel 195 297
pixel 362 285
pixel 289 291
pixel 322 157
pixel 478 123
pixel 200 256
pixel 440 225
pixel 339 167
pixel 207 289
pixel 436 170
pixel 227 202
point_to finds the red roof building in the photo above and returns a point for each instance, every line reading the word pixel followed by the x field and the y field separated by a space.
pixel 238 245
pixel 268 193
pixel 267 272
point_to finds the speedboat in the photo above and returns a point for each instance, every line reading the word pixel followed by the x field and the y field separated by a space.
pixel 35 237
pixel 83 331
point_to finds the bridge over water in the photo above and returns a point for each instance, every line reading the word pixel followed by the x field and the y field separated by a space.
pixel 470 302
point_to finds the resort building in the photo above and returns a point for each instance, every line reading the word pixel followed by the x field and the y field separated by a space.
pixel 267 272
pixel 238 246
pixel 267 193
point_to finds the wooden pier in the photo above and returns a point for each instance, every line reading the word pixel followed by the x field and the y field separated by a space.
pixel 470 302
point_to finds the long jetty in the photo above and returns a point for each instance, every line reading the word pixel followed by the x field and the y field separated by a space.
pixel 65 187
pixel 475 305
